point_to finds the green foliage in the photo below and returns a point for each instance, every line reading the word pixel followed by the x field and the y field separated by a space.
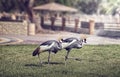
pixel 65 2
pixel 88 6
pixel 7 5
pixel 90 61
pixel 110 6
pixel 60 1
pixel 21 5
pixel 85 6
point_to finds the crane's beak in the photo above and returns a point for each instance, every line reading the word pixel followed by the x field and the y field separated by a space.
pixel 83 36
pixel 85 40
pixel 60 39
pixel 36 51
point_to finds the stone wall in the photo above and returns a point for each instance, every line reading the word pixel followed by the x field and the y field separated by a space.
pixel 14 28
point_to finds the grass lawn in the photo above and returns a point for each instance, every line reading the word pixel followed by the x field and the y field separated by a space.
pixel 90 61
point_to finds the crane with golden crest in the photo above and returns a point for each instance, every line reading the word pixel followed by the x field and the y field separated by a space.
pixel 54 46
pixel 72 42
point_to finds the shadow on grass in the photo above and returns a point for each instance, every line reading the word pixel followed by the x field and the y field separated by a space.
pixel 33 65
pixel 54 63
pixel 44 63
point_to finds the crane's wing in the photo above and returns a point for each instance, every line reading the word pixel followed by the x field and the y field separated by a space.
pixel 47 42
pixel 66 44
pixel 45 47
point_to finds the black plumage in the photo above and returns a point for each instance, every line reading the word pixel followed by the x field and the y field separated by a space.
pixel 69 39
pixel 50 46
pixel 54 46
pixel 72 43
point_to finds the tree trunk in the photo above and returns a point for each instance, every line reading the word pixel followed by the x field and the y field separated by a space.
pixel 30 10
pixel 32 17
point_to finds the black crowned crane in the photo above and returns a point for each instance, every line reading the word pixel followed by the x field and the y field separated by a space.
pixel 50 46
pixel 70 43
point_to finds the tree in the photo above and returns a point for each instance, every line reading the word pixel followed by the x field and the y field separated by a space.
pixel 22 5
pixel 88 6
pixel 27 6
pixel 109 6
pixel 60 1
pixel 66 2
pixel 7 5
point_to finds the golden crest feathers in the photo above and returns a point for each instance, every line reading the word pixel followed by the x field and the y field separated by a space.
pixel 83 36
pixel 60 38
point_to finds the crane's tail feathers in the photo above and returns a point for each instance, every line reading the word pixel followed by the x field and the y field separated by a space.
pixel 36 51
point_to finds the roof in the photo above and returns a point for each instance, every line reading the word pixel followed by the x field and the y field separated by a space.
pixel 55 7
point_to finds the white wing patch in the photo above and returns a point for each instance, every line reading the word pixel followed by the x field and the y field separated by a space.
pixel 64 44
pixel 46 47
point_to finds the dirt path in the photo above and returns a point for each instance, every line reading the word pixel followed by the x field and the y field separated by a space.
pixel 38 38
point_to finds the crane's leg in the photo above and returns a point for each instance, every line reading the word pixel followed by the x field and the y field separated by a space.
pixel 66 57
pixel 40 59
pixel 49 57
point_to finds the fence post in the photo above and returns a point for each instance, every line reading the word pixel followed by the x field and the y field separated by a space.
pixel 63 22
pixel 52 19
pixel 31 29
pixel 76 24
pixel 91 26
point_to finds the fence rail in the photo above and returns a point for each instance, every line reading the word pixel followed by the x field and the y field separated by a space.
pixel 106 22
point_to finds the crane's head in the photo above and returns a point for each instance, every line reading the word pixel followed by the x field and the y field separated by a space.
pixel 36 51
pixel 84 38
pixel 60 39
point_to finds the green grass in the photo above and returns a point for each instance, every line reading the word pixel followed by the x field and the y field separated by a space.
pixel 90 61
